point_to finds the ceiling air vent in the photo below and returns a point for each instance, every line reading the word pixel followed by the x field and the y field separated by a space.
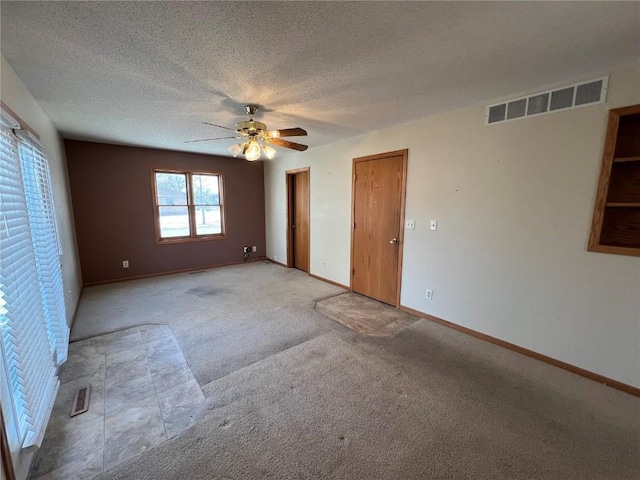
pixel 497 113
pixel 516 109
pixel 564 98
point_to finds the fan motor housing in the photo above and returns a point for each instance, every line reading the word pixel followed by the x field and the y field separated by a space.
pixel 250 127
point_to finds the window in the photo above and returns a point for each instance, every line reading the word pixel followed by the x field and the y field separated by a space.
pixel 188 206
pixel 36 179
pixel 33 330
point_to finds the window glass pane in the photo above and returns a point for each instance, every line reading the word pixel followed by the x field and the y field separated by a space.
pixel 171 188
pixel 174 222
pixel 208 220
pixel 205 190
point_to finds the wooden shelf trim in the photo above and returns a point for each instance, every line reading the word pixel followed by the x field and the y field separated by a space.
pixel 615 225
pixel 615 249
pixel 623 204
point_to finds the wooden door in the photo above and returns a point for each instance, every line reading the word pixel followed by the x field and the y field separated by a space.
pixel 298 183
pixel 378 215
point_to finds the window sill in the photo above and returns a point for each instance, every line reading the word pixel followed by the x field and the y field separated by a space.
pixel 173 241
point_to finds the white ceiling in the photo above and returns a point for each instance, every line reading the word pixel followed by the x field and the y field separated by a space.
pixel 148 73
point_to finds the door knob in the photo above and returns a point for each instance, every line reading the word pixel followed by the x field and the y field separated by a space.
pixel 393 240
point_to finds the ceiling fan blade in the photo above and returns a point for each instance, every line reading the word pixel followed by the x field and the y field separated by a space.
pixel 208 139
pixel 219 126
pixel 291 132
pixel 287 144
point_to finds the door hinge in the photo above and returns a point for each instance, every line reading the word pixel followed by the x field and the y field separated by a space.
pixel 354 177
pixel 353 271
pixel 354 225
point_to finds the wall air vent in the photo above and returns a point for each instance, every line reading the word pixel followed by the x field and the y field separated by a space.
pixel 564 98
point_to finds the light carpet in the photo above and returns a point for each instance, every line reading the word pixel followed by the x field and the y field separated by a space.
pixel 307 398
pixel 223 318
pixel 364 315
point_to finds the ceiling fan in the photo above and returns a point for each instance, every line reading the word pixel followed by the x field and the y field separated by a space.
pixel 256 138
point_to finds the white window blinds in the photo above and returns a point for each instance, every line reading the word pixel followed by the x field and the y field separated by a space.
pixel 25 341
pixel 42 220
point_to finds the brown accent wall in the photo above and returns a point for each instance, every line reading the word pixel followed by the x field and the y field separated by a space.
pixel 114 216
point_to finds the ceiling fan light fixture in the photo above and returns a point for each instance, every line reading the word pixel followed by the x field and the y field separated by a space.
pixel 252 151
pixel 270 152
pixel 255 138
pixel 235 149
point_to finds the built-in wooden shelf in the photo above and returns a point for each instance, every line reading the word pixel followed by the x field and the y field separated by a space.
pixel 625 204
pixel 626 159
pixel 616 216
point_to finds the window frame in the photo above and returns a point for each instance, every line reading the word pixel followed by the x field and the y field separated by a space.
pixel 191 207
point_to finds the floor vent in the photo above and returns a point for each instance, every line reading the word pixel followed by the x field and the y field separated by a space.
pixel 563 98
pixel 81 401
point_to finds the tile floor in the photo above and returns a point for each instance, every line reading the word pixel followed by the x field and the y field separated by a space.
pixel 142 392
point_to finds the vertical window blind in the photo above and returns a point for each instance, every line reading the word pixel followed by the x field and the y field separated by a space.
pixel 32 320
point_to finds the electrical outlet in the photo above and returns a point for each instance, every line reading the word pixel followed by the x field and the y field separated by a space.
pixel 255 249
pixel 246 250
pixel 410 225
pixel 433 225
pixel 323 264
pixel 429 294
pixel 125 264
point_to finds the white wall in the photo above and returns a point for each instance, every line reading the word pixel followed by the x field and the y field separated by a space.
pixel 16 96
pixel 513 203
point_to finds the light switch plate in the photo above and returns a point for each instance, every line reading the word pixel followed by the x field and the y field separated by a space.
pixel 433 225
pixel 410 225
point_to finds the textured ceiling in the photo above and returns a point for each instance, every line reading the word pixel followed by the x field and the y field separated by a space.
pixel 148 73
